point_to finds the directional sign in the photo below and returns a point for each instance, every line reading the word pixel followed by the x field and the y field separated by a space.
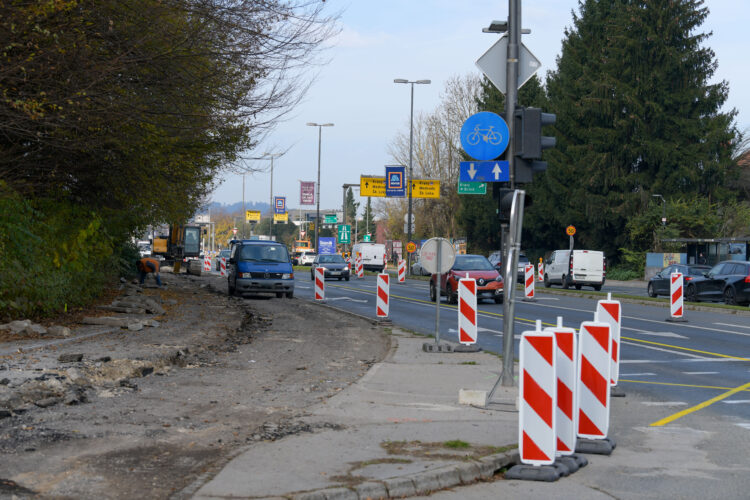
pixel 366 238
pixel 279 204
pixel 345 233
pixel 413 228
pixel 485 135
pixel 472 188
pixel 484 171
pixel 425 188
pixel 493 64
pixel 252 215
pixel 281 217
pixel 395 181
pixel 330 219
pixel 372 186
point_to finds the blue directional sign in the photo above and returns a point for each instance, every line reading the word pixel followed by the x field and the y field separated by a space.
pixel 279 204
pixel 395 180
pixel 485 135
pixel 484 171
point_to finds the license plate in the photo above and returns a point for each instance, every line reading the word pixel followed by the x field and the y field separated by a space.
pixel 335 273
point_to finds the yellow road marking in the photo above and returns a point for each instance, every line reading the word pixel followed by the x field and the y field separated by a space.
pixel 700 406
pixel 686 349
pixel 678 385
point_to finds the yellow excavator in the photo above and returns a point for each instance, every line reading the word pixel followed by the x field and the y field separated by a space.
pixel 183 241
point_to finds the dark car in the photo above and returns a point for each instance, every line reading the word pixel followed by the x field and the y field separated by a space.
pixel 223 253
pixel 489 281
pixel 496 259
pixel 333 264
pixel 659 283
pixel 728 281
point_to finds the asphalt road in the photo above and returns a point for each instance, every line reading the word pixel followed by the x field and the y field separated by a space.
pixel 701 365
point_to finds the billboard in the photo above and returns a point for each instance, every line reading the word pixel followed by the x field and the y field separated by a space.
pixel 326 245
pixel 306 193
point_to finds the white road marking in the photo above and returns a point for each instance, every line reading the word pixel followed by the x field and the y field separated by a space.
pixel 655 334
pixel 733 326
pixel 656 361
pixel 744 425
pixel 638 374
pixel 686 354
pixel 700 373
pixel 736 401
pixel 664 403
pixel 363 301
pixel 546 298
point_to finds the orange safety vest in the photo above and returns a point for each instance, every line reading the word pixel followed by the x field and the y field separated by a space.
pixel 143 265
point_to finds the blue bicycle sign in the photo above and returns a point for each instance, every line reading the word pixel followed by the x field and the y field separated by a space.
pixel 485 136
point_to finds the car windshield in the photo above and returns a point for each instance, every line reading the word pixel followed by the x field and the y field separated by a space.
pixel 331 259
pixel 523 259
pixel 264 253
pixel 472 263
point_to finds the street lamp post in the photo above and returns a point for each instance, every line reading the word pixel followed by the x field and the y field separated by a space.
pixel 663 209
pixel 317 200
pixel 411 149
pixel 267 156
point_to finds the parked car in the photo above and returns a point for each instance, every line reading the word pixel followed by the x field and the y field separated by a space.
pixel 333 264
pixel 257 266
pixel 217 260
pixel 417 269
pixel 660 282
pixel 728 280
pixel 373 255
pixel 305 258
pixel 489 281
pixel 496 259
pixel 575 267
pixel 522 262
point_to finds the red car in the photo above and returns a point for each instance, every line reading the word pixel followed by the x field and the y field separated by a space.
pixel 489 281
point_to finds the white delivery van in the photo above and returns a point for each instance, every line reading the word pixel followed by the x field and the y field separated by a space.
pixel 575 268
pixel 373 255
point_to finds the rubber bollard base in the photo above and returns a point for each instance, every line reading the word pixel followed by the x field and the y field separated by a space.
pixel 385 322
pixel 431 347
pixel 676 320
pixel 616 392
pixel 528 300
pixel 467 348
pixel 570 463
pixel 580 460
pixel 547 473
pixel 595 446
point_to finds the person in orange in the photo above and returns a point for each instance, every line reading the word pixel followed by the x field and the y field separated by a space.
pixel 145 266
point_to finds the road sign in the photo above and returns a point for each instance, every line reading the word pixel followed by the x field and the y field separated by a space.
pixel 406 217
pixel 330 219
pixel 472 188
pixel 413 228
pixel 570 230
pixel 411 247
pixel 425 188
pixel 485 135
pixel 345 233
pixel 281 217
pixel 234 231
pixel 279 204
pixel 395 181
pixel 484 171
pixel 366 238
pixel 429 255
pixel 493 64
pixel 252 215
pixel 372 186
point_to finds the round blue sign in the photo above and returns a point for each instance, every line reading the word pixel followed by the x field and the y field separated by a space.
pixel 485 136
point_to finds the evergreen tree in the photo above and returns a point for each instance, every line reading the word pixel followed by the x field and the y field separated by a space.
pixel 368 224
pixel 351 206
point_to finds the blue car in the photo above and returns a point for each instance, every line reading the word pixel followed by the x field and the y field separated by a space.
pixel 257 266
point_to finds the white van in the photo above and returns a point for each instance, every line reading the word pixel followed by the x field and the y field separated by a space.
pixel 373 255
pixel 576 268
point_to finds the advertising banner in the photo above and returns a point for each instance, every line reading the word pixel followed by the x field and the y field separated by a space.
pixel 326 245
pixel 307 193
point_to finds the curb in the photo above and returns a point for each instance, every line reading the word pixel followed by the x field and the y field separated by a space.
pixel 423 483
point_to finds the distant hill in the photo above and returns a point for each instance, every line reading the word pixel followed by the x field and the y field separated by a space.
pixel 237 207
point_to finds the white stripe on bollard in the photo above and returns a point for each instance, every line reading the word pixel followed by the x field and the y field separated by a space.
pixel 540 270
pixel 320 284
pixel 538 390
pixel 467 311
pixel 529 275
pixel 381 305
pixel 676 296
pixel 565 356
pixel 609 311
pixel 592 387
pixel 223 266
pixel 401 271
pixel 360 267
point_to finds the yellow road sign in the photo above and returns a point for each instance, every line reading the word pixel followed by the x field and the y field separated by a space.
pixel 372 186
pixel 252 215
pixel 425 188
pixel 570 230
pixel 281 217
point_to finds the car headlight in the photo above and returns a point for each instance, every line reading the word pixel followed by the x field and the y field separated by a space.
pixel 243 275
pixel 287 276
pixel 499 278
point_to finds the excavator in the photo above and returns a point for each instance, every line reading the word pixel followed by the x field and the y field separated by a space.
pixel 183 241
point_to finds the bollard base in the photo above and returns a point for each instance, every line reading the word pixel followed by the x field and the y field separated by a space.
pixel 580 460
pixel 548 473
pixel 385 322
pixel 570 463
pixel 595 446
pixel 467 348
pixel 528 300
pixel 616 392
pixel 429 347
pixel 676 320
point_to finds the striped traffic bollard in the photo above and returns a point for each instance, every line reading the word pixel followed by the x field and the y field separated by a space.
pixel 676 298
pixel 565 370
pixel 529 282
pixel 385 262
pixel 609 311
pixel 349 263
pixel 223 266
pixel 467 311
pixel 592 387
pixel 381 304
pixel 320 284
pixel 206 263
pixel 401 271
pixel 540 270
pixel 360 267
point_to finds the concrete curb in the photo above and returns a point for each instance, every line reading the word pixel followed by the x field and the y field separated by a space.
pixel 423 483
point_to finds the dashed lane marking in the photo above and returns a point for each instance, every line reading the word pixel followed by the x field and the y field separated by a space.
pixel 700 373
pixel 733 326
pixel 664 403
pixel 672 384
pixel 736 401
pixel 647 374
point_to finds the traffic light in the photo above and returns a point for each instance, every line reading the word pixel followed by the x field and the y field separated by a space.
pixel 529 142
pixel 504 197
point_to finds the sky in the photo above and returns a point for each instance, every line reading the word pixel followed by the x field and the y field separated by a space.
pixel 422 39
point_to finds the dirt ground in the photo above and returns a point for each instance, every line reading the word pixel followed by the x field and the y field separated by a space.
pixel 153 413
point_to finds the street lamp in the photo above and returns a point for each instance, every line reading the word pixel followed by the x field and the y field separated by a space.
pixel 663 209
pixel 411 148
pixel 317 200
pixel 266 156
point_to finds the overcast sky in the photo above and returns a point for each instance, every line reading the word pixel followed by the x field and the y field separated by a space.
pixel 423 39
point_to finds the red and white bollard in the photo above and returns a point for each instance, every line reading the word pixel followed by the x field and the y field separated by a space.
pixel 467 311
pixel 206 263
pixel 223 266
pixel 401 271
pixel 360 267
pixel 349 263
pixel 385 262
pixel 540 270
pixel 676 297
pixel 320 284
pixel 529 282
pixel 609 311
pixel 537 433
pixel 592 388
pixel 567 409
pixel 383 299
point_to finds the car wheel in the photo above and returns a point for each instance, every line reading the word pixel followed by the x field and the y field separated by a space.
pixel 597 288
pixel 546 281
pixel 565 283
pixel 690 294
pixel 279 295
pixel 433 292
pixel 651 292
pixel 578 287
pixel 347 278
pixel 452 297
pixel 499 299
pixel 729 297
pixel 289 295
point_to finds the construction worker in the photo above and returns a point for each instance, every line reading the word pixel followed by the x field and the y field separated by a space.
pixel 145 266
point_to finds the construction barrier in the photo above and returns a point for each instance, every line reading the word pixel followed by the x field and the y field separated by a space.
pixel 360 267
pixel 565 370
pixel 385 262
pixel 223 266
pixel 592 389
pixel 540 270
pixel 320 284
pixel 676 296
pixel 381 305
pixel 467 311
pixel 349 263
pixel 537 436
pixel 401 271
pixel 207 263
pixel 609 311
pixel 529 275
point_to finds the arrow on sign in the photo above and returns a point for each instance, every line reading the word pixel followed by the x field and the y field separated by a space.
pixel 495 171
pixel 484 171
pixel 472 171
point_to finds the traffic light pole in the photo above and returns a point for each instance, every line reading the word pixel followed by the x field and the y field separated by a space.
pixel 511 83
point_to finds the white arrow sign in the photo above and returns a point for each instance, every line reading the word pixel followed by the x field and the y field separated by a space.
pixel 496 171
pixel 472 171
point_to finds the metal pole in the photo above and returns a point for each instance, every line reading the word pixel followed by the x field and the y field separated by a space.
pixel 511 84
pixel 437 294
pixel 244 211
pixel 411 176
pixel 511 269
pixel 273 207
pixel 317 200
